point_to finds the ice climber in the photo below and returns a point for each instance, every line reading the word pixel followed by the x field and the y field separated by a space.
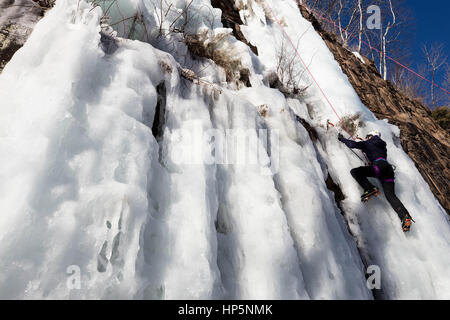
pixel 375 149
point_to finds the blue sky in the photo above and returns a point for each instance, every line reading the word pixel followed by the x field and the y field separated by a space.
pixel 427 22
pixel 432 23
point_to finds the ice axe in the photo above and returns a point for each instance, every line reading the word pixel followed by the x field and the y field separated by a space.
pixel 331 124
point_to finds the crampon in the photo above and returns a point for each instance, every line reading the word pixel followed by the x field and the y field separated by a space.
pixel 406 224
pixel 367 195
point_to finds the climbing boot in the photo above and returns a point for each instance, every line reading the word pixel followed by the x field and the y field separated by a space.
pixel 368 194
pixel 406 223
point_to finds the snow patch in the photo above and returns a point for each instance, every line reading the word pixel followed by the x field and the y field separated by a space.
pixel 358 55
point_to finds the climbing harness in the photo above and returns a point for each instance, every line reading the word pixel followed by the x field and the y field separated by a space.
pixel 383 159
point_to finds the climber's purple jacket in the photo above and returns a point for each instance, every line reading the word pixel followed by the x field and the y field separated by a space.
pixel 374 148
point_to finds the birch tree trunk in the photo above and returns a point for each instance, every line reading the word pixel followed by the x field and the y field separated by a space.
pixel 339 21
pixel 360 26
pixel 433 103
pixel 389 26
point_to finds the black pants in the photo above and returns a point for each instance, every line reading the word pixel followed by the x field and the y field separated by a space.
pixel 384 172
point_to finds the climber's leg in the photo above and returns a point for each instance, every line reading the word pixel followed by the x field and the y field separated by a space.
pixel 360 175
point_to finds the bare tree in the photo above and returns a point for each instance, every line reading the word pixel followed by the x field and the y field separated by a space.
pixel 409 83
pixel 390 39
pixel 169 19
pixel 385 39
pixel 447 81
pixel 290 71
pixel 447 76
pixel 345 30
pixel 360 30
pixel 287 67
pixel 436 59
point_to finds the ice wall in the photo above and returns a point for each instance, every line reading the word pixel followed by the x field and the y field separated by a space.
pixel 95 207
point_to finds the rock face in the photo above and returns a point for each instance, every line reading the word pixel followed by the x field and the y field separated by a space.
pixel 425 142
pixel 17 19
pixel 231 19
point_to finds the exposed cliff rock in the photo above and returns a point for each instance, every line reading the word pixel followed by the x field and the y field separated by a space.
pixel 231 19
pixel 426 143
pixel 17 18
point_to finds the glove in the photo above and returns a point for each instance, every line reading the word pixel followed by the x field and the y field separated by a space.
pixel 340 137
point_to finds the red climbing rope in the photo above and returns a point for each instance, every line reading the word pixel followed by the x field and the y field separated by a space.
pixel 322 17
pixel 310 73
